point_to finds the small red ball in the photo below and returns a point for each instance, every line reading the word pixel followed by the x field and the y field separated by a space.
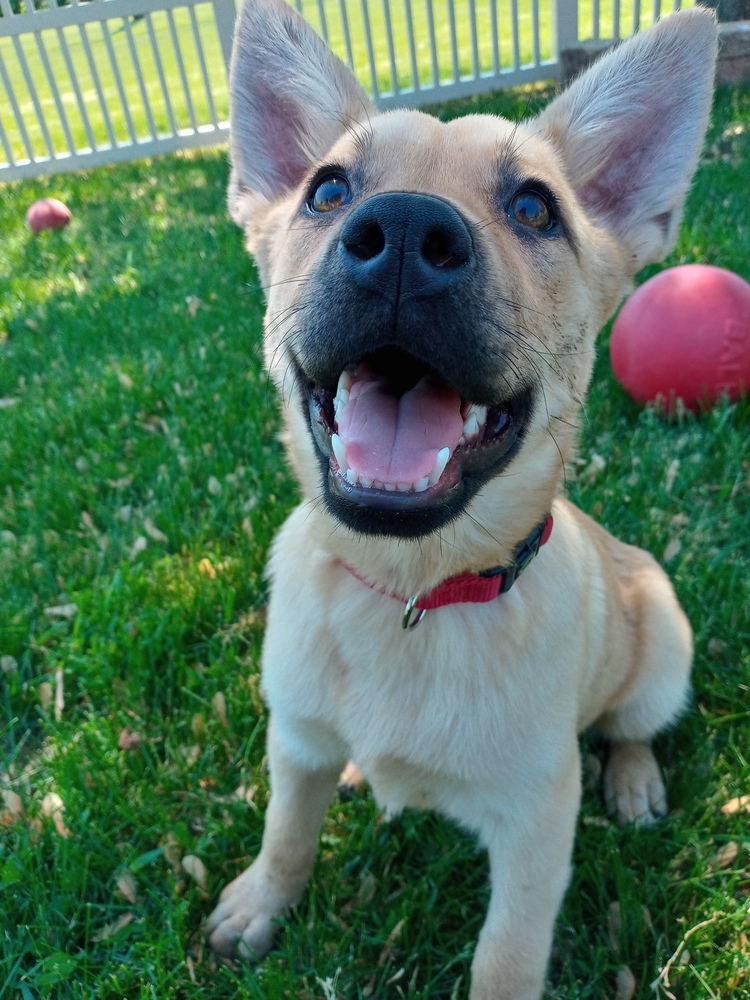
pixel 49 213
pixel 684 334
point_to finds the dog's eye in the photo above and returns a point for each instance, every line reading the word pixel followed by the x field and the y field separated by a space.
pixel 531 209
pixel 330 193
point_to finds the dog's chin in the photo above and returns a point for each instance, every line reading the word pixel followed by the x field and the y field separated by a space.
pixel 491 438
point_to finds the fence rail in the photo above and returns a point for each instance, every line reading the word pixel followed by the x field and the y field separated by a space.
pixel 87 82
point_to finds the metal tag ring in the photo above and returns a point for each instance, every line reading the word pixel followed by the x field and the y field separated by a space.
pixel 410 605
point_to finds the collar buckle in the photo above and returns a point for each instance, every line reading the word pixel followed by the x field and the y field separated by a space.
pixel 523 555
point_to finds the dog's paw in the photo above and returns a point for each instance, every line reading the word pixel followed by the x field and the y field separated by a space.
pixel 244 921
pixel 633 786
pixel 350 783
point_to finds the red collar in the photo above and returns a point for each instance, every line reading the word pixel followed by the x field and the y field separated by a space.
pixel 471 587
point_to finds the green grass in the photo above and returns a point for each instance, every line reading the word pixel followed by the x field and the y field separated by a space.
pixel 141 480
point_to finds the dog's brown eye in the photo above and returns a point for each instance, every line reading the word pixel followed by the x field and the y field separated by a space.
pixel 331 193
pixel 531 209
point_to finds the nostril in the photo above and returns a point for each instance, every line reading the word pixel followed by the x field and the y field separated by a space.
pixel 442 249
pixel 366 241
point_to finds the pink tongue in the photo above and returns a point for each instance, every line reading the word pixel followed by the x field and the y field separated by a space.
pixel 394 438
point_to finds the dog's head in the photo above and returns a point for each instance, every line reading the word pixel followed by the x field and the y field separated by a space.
pixel 435 289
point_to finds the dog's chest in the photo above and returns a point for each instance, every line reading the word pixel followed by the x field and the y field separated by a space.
pixel 436 718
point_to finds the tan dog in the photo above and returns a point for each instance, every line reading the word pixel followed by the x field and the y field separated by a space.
pixel 434 292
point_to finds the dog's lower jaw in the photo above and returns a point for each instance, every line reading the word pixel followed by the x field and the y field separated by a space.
pixel 419 509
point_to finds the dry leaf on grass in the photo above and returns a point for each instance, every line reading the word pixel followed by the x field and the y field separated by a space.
pixel 138 546
pixel 207 567
pixel 672 471
pixel 727 855
pixel 740 804
pixel 625 984
pixel 111 929
pixel 153 532
pixel 193 305
pixel 59 694
pixel 8 664
pixel 194 867
pixel 53 808
pixel 13 810
pixel 45 695
pixel 614 924
pixel 129 739
pixel 673 549
pixel 127 886
pixel 62 611
pixel 219 708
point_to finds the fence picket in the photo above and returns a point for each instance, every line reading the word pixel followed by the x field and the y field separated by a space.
pixel 181 69
pixel 117 76
pixel 204 68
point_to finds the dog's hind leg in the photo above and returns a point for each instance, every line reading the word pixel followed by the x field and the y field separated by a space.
pixel 654 696
pixel 245 919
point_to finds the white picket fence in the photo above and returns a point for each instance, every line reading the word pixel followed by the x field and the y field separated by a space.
pixel 87 82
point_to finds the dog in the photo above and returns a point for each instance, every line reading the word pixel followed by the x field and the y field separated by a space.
pixel 439 613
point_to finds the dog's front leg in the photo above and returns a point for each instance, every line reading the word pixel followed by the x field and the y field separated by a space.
pixel 530 868
pixel 245 919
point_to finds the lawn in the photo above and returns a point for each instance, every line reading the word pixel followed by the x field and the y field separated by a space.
pixel 141 482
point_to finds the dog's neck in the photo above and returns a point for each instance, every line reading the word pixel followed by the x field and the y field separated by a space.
pixel 467 588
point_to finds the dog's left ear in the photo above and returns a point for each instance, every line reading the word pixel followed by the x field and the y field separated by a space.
pixel 630 130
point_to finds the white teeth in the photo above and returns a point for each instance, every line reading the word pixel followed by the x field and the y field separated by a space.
pixel 345 382
pixel 342 393
pixel 440 463
pixel 358 479
pixel 339 450
pixel 471 427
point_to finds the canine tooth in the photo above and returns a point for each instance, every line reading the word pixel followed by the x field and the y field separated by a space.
pixel 471 427
pixel 351 477
pixel 345 383
pixel 440 463
pixel 421 485
pixel 339 451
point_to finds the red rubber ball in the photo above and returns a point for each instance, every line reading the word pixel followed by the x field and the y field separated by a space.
pixel 684 334
pixel 49 213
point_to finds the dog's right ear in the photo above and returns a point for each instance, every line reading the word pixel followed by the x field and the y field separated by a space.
pixel 290 100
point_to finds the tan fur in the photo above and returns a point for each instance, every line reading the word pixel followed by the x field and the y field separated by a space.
pixel 476 712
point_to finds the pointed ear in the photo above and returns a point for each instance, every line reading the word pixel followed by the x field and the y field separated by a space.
pixel 630 130
pixel 290 100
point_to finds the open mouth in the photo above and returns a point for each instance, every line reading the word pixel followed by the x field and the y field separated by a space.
pixel 398 437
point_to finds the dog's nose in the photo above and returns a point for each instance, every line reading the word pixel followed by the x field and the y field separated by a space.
pixel 405 244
